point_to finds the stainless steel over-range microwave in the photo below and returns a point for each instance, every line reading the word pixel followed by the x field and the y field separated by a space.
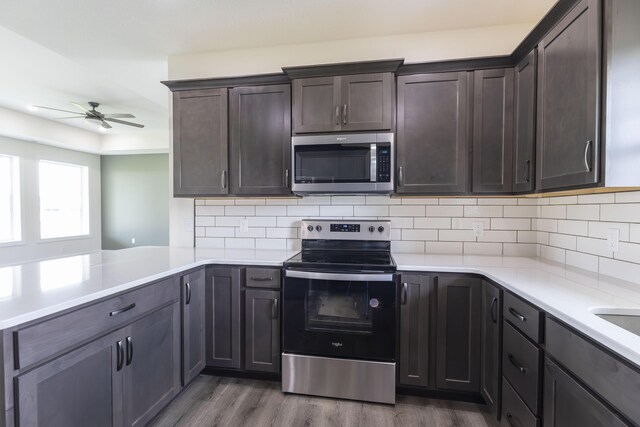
pixel 347 163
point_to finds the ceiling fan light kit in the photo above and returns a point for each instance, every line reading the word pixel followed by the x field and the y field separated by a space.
pixel 93 116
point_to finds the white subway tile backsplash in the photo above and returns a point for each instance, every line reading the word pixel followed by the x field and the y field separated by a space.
pixel 336 211
pixel 623 212
pixel 444 248
pixel 456 236
pixel 473 248
pixel 444 211
pixel 483 211
pixel 578 228
pixel 209 210
pixel 424 235
pixel 239 210
pixel 303 211
pixel 568 229
pixel 406 210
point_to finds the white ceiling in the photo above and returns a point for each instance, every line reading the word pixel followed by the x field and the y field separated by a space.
pixel 116 52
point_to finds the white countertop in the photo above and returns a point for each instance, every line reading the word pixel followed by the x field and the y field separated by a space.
pixel 36 289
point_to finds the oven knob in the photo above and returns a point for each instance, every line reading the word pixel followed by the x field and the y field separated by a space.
pixel 371 229
pixel 381 229
pixel 318 228
pixel 310 227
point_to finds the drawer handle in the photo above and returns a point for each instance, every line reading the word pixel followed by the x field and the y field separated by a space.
pixel 516 314
pixel 512 420
pixel 337 115
pixel 261 279
pixel 274 308
pixel 119 355
pixel 188 299
pixel 129 351
pixel 404 293
pixel 122 310
pixel 494 311
pixel 515 363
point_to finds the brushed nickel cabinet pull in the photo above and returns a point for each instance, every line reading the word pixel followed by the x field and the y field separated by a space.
pixel 337 114
pixel 119 355
pixel 129 351
pixel 122 310
pixel 527 175
pixel 344 114
pixel 224 178
pixel 286 178
pixel 400 176
pixel 404 293
pixel 587 147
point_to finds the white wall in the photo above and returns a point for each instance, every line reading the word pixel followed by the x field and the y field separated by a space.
pixel 419 47
pixel 32 247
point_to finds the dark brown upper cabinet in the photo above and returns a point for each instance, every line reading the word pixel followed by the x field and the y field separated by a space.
pixel 568 97
pixel 343 103
pixel 260 143
pixel 432 133
pixel 525 121
pixel 492 131
pixel 200 143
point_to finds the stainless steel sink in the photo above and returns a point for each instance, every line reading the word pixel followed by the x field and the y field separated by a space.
pixel 626 318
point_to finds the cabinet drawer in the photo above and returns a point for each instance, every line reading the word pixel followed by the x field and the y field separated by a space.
pixel 523 316
pixel 614 380
pixel 521 366
pixel 514 411
pixel 263 278
pixel 39 341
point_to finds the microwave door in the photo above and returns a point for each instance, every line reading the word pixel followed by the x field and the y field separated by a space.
pixel 332 164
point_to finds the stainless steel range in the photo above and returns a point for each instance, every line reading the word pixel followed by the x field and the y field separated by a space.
pixel 339 312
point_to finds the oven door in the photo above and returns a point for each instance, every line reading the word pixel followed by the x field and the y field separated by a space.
pixel 339 315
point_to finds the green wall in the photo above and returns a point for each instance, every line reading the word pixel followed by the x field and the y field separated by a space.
pixel 135 200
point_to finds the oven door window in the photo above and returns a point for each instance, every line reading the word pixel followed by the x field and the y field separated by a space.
pixel 332 163
pixel 341 308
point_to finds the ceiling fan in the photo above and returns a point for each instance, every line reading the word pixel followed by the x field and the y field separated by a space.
pixel 95 117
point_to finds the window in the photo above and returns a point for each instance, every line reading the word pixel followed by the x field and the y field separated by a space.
pixel 10 224
pixel 64 199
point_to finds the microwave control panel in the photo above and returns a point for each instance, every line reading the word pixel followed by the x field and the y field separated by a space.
pixel 384 164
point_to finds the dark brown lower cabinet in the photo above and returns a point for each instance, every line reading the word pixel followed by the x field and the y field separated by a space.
pixel 123 378
pixel 223 321
pixel 193 324
pixel 567 403
pixel 458 333
pixel 152 365
pixel 262 330
pixel 83 387
pixel 414 329
pixel 490 372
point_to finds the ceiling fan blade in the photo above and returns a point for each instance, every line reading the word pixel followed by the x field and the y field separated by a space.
pixel 71 117
pixel 56 109
pixel 105 125
pixel 120 116
pixel 81 107
pixel 122 122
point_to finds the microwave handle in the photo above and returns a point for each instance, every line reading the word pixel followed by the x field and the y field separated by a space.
pixel 374 163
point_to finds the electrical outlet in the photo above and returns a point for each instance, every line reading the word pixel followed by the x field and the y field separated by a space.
pixel 244 225
pixel 613 239
pixel 478 228
pixel 133 240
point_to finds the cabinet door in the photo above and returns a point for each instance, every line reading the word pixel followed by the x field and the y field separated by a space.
pixel 568 404
pixel 492 131
pixel 525 119
pixel 458 333
pixel 367 102
pixel 568 96
pixel 414 329
pixel 200 142
pixel 152 364
pixel 260 145
pixel 193 320
pixel 223 318
pixel 83 387
pixel 262 330
pixel 432 133
pixel 316 105
pixel 490 372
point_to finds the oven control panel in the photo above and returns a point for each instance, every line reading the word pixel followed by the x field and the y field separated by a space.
pixel 331 229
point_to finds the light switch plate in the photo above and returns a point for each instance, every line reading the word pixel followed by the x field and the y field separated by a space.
pixel 613 239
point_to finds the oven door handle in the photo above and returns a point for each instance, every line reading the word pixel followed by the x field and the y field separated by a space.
pixel 365 277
